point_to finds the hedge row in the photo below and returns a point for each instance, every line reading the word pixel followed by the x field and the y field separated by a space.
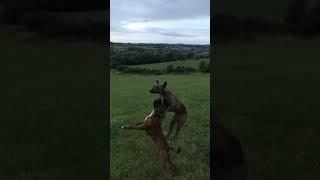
pixel 203 67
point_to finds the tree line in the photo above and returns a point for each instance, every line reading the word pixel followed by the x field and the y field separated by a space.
pixel 138 55
pixel 203 67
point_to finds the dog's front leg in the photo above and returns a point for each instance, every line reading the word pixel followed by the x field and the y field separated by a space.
pixel 139 126
pixel 138 123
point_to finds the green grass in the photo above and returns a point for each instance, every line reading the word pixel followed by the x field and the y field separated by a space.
pixel 133 154
pixel 163 66
pixel 268 94
pixel 52 110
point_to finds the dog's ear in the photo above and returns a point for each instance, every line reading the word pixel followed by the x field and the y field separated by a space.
pixel 164 84
pixel 157 82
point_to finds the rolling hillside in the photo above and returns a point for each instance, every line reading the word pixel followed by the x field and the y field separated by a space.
pixel 163 66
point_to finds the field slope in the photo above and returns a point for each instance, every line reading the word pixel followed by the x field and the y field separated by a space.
pixel 163 66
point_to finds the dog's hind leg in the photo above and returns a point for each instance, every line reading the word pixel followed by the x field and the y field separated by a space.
pixel 172 123
pixel 163 165
pixel 181 119
pixel 173 167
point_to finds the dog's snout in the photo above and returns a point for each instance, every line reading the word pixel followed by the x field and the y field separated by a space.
pixel 151 91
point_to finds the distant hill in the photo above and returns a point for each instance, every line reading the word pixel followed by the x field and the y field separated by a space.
pixel 137 54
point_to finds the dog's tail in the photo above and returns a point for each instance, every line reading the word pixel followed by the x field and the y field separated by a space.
pixel 176 151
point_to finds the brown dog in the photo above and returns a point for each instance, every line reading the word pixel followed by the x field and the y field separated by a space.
pixel 152 126
pixel 229 162
pixel 174 105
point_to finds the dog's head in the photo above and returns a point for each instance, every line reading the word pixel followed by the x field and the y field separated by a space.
pixel 158 88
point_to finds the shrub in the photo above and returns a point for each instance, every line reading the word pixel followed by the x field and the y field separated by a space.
pixel 130 70
pixel 139 55
pixel 190 55
pixel 203 67
pixel 135 70
pixel 170 68
pixel 179 69
pixel 184 70
pixel 157 72
pixel 121 67
pixel 190 69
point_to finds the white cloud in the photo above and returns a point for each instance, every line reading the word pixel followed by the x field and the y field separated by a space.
pixel 161 21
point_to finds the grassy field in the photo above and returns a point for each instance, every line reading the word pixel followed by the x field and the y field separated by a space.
pixel 268 94
pixel 163 66
pixel 53 110
pixel 133 154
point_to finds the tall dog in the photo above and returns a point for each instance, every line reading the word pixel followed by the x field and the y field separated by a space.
pixel 152 126
pixel 229 162
pixel 174 105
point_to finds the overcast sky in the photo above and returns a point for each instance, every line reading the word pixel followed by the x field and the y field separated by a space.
pixel 160 21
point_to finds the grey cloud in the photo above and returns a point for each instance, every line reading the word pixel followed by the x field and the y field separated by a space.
pixel 161 31
pixel 157 10
pixel 169 33
pixel 175 34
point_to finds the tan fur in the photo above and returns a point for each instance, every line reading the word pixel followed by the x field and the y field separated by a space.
pixel 174 105
pixel 180 112
pixel 152 126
